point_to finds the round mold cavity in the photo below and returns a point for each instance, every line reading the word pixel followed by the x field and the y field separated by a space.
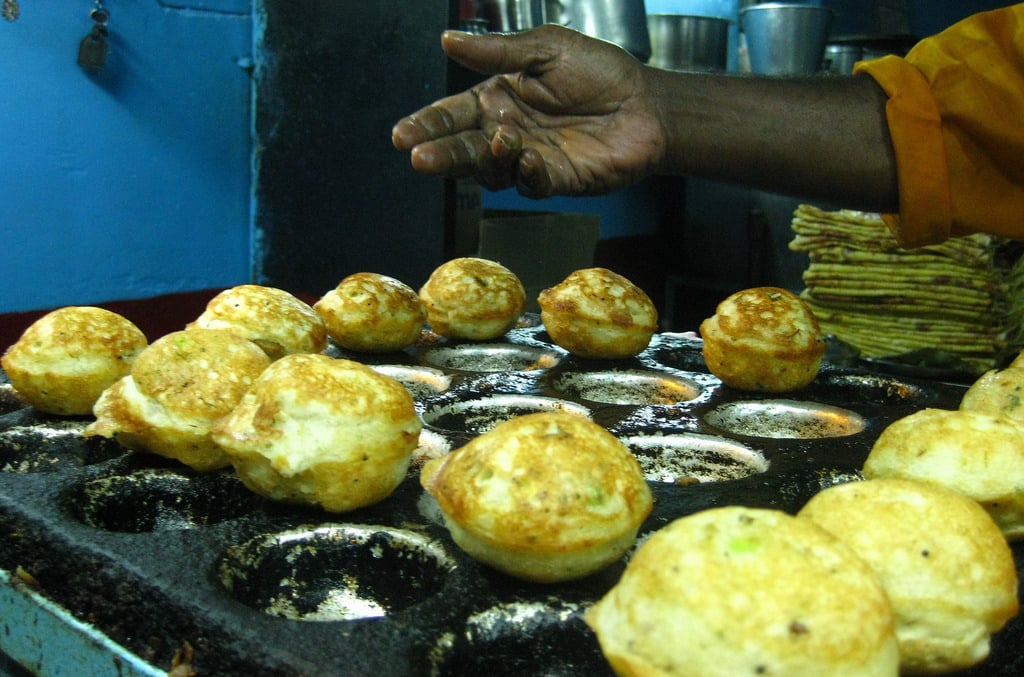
pixel 432 445
pixel 160 499
pixel 48 445
pixel 490 357
pixel 866 388
pixel 784 419
pixel 335 572
pixel 505 382
pixel 419 381
pixel 478 416
pixel 830 477
pixel 692 458
pixel 678 351
pixel 627 387
pixel 9 400
pixel 521 638
pixel 799 487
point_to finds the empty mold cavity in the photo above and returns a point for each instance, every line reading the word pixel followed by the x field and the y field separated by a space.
pixel 521 638
pixel 335 572
pixel 866 388
pixel 419 381
pixel 784 419
pixel 159 499
pixel 477 416
pixel 489 357
pixel 9 400
pixel 48 445
pixel 627 387
pixel 678 351
pixel 432 445
pixel 691 458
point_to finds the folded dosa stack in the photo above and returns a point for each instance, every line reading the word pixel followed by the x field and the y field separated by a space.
pixel 962 297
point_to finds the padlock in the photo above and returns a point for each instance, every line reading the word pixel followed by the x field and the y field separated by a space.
pixel 9 10
pixel 92 51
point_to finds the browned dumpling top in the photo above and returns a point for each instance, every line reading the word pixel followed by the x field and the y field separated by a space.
pixel 179 387
pixel 597 313
pixel 746 591
pixel 763 339
pixel 472 298
pixel 275 320
pixel 66 358
pixel 370 312
pixel 975 453
pixel 545 496
pixel 322 431
pixel 944 564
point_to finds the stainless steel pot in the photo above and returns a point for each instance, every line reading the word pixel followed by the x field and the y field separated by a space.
pixel 508 16
pixel 688 43
pixel 786 38
pixel 623 22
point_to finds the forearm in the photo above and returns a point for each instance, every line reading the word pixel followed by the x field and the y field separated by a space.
pixel 820 138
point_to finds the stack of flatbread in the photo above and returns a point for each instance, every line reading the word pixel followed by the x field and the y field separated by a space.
pixel 962 297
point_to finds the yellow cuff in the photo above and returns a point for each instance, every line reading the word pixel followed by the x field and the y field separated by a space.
pixel 915 127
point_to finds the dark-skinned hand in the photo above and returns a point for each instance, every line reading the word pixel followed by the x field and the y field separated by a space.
pixel 562 114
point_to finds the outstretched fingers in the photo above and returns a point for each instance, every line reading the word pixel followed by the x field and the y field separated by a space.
pixel 533 178
pixel 448 116
pixel 453 156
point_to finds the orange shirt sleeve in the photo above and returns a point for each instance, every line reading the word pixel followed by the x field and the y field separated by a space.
pixel 956 118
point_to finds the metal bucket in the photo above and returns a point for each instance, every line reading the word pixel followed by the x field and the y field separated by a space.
pixel 685 42
pixel 508 16
pixel 839 59
pixel 786 39
pixel 623 22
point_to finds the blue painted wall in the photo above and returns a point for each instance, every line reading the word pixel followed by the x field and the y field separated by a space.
pixel 134 181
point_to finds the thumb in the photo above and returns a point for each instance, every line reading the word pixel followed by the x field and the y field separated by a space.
pixel 496 53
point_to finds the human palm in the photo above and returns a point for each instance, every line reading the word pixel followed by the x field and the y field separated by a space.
pixel 564 115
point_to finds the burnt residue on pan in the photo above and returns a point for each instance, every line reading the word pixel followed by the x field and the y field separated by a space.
pixel 491 357
pixel 784 419
pixel 627 386
pixel 845 389
pixel 521 638
pixel 335 572
pixel 419 381
pixel 31 442
pixel 158 499
pixel 477 415
pixel 688 458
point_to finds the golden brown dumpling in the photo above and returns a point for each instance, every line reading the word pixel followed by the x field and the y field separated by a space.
pixel 743 591
pixel 179 387
pixel 66 358
pixel 763 339
pixel 369 312
pixel 273 319
pixel 546 497
pixel 943 562
pixel 974 453
pixel 322 431
pixel 471 298
pixel 998 391
pixel 597 313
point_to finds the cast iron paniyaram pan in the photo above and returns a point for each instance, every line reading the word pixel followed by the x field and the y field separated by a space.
pixel 155 555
